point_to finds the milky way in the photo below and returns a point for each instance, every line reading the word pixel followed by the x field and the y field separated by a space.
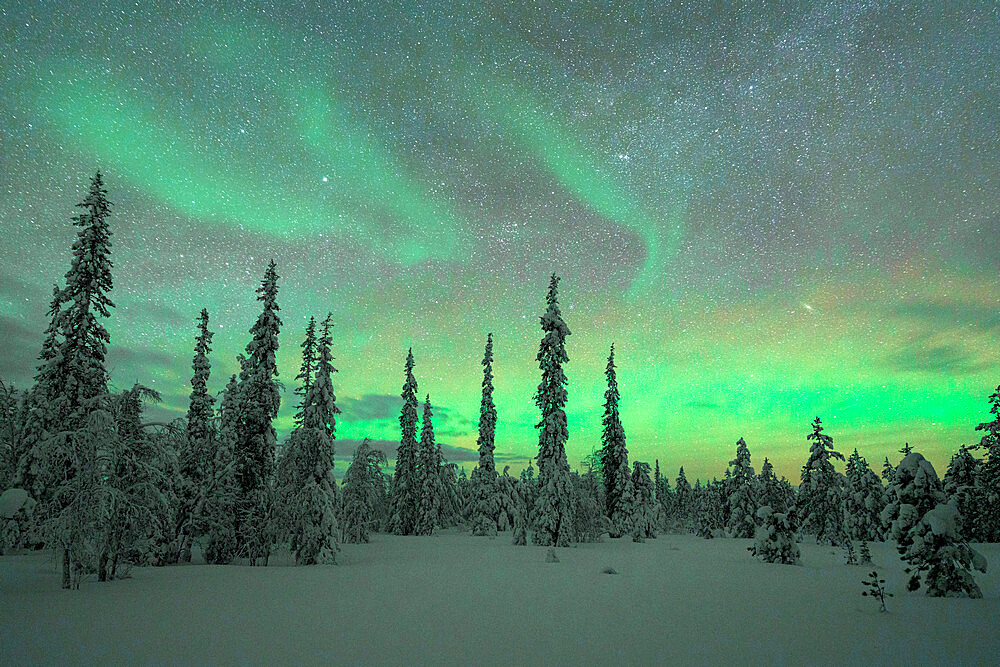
pixel 774 213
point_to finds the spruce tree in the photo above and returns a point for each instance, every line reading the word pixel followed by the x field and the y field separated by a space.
pixel 306 370
pixel 405 483
pixel 684 507
pixel 988 477
pixel 960 486
pixel 819 501
pixel 742 494
pixel 925 528
pixel 428 505
pixel 553 512
pixel 486 501
pixel 72 387
pixel 619 490
pixel 864 500
pixel 769 489
pixel 363 490
pixel 775 537
pixel 314 526
pixel 217 521
pixel 195 458
pixel 644 511
pixel 255 435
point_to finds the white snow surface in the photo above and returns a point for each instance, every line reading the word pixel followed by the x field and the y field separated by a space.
pixel 452 598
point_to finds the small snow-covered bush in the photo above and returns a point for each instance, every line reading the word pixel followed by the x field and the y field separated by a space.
pixel 775 538
pixel 941 556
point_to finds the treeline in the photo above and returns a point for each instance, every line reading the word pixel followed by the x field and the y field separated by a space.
pixel 87 477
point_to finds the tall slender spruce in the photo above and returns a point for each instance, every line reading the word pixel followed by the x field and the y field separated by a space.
pixel 314 527
pixel 486 500
pixel 553 512
pixel 619 491
pixel 256 438
pixel 307 369
pixel 428 464
pixel 195 459
pixel 72 382
pixel 405 483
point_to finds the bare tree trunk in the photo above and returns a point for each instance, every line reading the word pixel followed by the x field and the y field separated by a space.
pixel 65 568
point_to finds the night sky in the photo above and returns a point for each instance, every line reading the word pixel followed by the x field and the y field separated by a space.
pixel 773 213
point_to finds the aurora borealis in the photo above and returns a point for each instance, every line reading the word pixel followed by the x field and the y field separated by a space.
pixel 774 213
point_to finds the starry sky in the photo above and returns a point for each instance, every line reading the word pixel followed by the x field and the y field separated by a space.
pixel 774 210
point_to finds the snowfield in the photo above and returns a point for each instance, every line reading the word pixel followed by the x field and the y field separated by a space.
pixel 456 599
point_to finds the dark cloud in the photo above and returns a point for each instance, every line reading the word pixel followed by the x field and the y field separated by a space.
pixel 370 407
pixel 942 359
pixel 941 315
pixel 124 359
pixel 447 422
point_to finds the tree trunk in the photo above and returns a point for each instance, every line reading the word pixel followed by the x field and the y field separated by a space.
pixel 65 568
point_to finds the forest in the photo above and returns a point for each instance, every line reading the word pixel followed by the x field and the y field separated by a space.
pixel 87 477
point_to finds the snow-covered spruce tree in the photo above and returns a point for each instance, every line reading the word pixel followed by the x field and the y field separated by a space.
pixel 36 413
pixel 307 370
pixel 71 389
pixel 742 494
pixel 988 477
pixel 135 524
pixel 960 487
pixel 314 498
pixel 427 472
pixel 216 524
pixel 684 506
pixel 769 490
pixel 588 518
pixel 619 492
pixel 553 512
pixel 915 491
pixel 509 495
pixel 888 471
pixel 941 556
pixel 864 500
pixel 775 537
pixel 645 516
pixel 819 499
pixel 528 487
pixel 663 495
pixel 486 500
pixel 363 490
pixel 406 485
pixel 9 400
pixel 256 439
pixel 451 509
pixel 710 519
pixel 288 469
pixel 197 446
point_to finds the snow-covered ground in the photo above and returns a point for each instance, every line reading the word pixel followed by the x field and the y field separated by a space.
pixel 453 598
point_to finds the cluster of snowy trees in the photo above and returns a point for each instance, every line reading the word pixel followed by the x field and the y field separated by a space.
pixel 932 521
pixel 86 476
